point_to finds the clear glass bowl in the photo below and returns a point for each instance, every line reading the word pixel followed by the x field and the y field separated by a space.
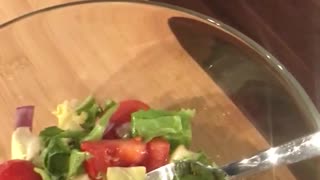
pixel 167 56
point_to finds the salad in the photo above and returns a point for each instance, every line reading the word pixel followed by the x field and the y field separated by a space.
pixel 109 141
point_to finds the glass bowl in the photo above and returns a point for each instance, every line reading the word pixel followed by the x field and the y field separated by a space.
pixel 166 56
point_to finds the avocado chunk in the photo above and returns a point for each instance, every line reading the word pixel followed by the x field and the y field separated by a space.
pixel 182 153
pixel 129 173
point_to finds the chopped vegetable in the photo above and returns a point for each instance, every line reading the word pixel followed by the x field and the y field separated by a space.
pixel 24 145
pixel 85 105
pixel 80 177
pixel 24 116
pixel 68 118
pixel 92 114
pixel 59 156
pixel 99 129
pixel 123 116
pixel 44 175
pixel 74 137
pixel 126 108
pixel 56 157
pixel 18 170
pixel 113 141
pixel 194 170
pixel 173 126
pixel 124 131
pixel 92 109
pixel 158 154
pixel 75 163
pixel 182 153
pixel 129 173
pixel 111 153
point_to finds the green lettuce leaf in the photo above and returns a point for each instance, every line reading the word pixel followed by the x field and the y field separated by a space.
pixel 92 114
pixel 56 157
pixel 44 175
pixel 86 104
pixel 73 137
pixel 189 170
pixel 97 132
pixel 175 126
pixel 182 153
pixel 75 162
pixel 58 147
pixel 92 109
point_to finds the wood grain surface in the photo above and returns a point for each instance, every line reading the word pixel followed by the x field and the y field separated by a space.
pixel 81 50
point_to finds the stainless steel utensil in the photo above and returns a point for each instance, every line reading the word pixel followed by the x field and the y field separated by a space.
pixel 297 150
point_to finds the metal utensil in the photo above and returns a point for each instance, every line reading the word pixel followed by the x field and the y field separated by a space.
pixel 294 151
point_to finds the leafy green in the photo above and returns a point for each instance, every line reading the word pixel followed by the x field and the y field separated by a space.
pixel 175 126
pixel 91 118
pixel 54 132
pixel 91 109
pixel 189 170
pixel 189 165
pixel 85 105
pixel 182 153
pixel 56 157
pixel 60 157
pixel 162 126
pixel 44 175
pixel 97 132
pixel 75 162
pixel 58 147
pixel 48 133
pixel 106 105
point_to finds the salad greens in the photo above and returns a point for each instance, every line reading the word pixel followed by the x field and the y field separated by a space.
pixel 61 150
pixel 188 166
pixel 97 132
pixel 44 175
pixel 61 157
pixel 75 162
pixel 194 170
pixel 172 125
pixel 91 109
pixel 85 105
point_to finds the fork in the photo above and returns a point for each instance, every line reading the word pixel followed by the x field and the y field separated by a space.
pixel 291 152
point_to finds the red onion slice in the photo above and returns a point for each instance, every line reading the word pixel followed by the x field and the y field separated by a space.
pixel 24 116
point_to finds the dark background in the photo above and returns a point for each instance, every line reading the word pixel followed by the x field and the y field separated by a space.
pixel 288 29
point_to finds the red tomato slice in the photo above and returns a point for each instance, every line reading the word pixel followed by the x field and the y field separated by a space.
pixel 126 108
pixel 109 153
pixel 18 170
pixel 158 154
pixel 122 116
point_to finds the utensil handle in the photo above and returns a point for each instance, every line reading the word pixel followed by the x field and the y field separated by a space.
pixel 297 150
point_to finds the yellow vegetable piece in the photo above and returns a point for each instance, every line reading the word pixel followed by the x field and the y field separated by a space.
pixel 182 152
pixel 80 177
pixel 129 173
pixel 67 117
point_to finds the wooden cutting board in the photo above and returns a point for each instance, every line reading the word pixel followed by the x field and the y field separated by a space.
pixel 118 51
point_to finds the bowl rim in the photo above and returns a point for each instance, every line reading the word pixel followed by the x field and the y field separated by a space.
pixel 305 104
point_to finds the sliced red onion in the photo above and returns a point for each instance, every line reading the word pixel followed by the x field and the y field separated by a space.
pixel 124 130
pixel 24 116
